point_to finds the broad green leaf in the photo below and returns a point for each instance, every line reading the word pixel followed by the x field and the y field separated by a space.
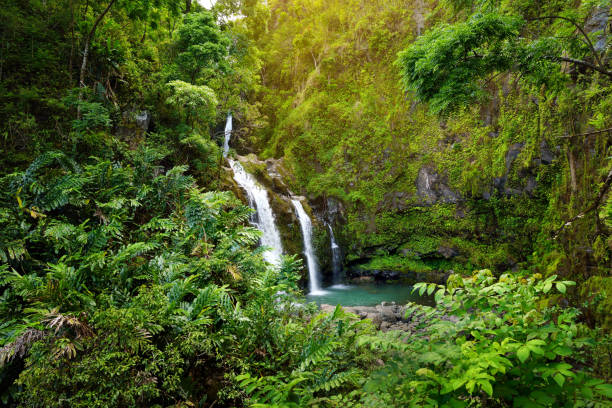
pixel 523 353
pixel 604 389
pixel 487 387
pixel 559 379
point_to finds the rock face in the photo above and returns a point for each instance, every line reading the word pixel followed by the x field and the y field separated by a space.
pixel 359 274
pixel 431 188
pixel 329 213
pixel 269 174
pixel 598 22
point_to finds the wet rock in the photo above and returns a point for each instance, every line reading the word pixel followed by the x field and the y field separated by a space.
pixel 364 279
pixel 396 200
pixel 386 316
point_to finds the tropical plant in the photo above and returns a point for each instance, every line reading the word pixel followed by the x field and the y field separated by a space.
pixel 493 342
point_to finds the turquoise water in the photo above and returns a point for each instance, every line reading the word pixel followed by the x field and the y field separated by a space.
pixel 368 294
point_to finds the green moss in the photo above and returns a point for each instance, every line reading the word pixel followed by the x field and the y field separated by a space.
pixel 596 293
pixel 397 263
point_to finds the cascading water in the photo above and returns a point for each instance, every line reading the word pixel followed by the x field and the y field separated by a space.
pixel 228 134
pixel 311 260
pixel 336 256
pixel 263 219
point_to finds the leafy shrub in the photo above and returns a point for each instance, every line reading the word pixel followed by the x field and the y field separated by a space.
pixel 491 342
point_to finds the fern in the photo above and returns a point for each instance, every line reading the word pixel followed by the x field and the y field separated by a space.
pixel 317 351
pixel 337 380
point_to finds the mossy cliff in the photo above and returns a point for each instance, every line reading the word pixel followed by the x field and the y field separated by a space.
pixel 486 187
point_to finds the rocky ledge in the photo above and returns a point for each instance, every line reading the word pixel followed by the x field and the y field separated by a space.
pixel 385 316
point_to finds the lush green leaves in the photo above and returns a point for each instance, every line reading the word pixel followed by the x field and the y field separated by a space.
pixel 445 65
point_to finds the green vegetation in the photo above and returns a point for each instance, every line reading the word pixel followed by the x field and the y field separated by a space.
pixel 521 146
pixel 129 273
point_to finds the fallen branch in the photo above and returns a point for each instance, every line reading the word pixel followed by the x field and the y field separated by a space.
pixel 595 132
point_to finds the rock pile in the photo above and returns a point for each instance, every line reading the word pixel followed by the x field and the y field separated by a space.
pixel 385 316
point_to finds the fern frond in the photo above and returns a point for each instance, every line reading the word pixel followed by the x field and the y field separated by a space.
pixel 352 377
pixel 317 352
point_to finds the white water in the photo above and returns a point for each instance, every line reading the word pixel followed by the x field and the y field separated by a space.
pixel 258 200
pixel 264 217
pixel 228 134
pixel 311 260
pixel 336 256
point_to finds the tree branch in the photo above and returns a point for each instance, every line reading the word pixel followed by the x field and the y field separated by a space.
pixel 584 34
pixel 584 64
pixel 88 41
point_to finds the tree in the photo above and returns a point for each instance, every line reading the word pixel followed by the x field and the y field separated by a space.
pixel 446 67
pixel 196 101
pixel 202 47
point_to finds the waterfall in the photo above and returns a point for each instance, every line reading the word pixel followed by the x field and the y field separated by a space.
pixel 311 260
pixel 228 134
pixel 263 219
pixel 336 256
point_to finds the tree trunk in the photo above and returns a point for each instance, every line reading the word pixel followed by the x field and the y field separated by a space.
pixel 71 61
pixel 88 39
pixel 187 6
pixel 572 166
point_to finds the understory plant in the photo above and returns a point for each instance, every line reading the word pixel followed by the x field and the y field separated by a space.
pixel 491 342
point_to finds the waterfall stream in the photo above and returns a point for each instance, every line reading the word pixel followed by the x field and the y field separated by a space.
pixel 336 256
pixel 311 260
pixel 263 219
pixel 228 134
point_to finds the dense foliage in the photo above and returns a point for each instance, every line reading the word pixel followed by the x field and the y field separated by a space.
pixel 513 175
pixel 131 277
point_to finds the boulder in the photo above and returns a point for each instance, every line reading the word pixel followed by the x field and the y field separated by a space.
pixel 447 252
pixel 546 155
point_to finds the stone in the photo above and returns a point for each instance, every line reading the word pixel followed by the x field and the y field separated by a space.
pixel 431 188
pixel 597 22
pixel 376 320
pixel 424 183
pixel 388 315
pixel 447 252
pixel 531 184
pixel 134 124
pixel 143 120
pixel 513 151
pixel 546 155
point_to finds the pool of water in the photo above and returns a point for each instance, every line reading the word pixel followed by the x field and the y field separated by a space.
pixel 368 294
